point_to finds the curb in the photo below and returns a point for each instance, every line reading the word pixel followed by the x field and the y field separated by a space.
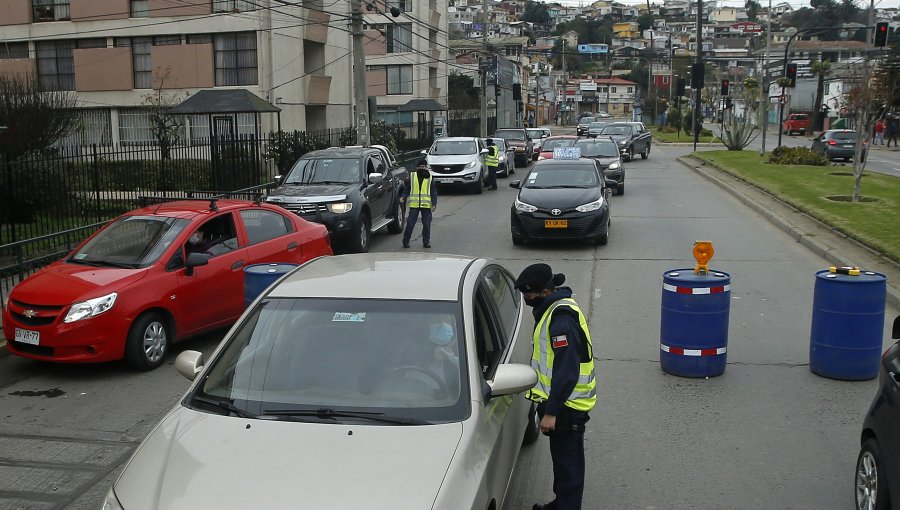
pixel 831 254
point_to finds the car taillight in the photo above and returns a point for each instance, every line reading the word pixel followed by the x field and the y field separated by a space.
pixel 832 142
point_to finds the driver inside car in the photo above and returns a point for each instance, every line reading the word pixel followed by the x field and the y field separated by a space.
pixel 444 362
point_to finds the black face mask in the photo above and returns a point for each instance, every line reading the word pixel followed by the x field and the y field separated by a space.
pixel 423 174
pixel 536 302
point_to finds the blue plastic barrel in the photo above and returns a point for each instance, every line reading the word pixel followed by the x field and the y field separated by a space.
pixel 847 325
pixel 694 324
pixel 258 277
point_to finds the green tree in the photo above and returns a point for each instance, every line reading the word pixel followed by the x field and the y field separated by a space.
pixel 819 69
pixel 645 21
pixel 462 92
pixel 536 12
pixel 752 7
pixel 34 118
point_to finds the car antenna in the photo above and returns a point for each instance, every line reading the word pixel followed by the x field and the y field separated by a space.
pixel 213 204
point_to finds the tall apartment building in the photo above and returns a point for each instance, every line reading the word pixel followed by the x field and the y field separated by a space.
pixel 294 54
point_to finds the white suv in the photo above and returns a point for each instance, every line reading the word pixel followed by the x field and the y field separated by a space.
pixel 459 161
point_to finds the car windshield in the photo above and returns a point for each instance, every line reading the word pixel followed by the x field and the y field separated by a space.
pixel 130 242
pixel 453 148
pixel 597 125
pixel 586 120
pixel 549 145
pixel 593 149
pixel 563 176
pixel 398 358
pixel 535 133
pixel 501 144
pixel 325 171
pixel 510 135
pixel 616 130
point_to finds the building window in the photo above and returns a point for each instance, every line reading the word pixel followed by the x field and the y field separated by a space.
pixel 614 90
pixel 135 128
pixel 398 37
pixel 93 127
pixel 399 80
pixel 631 89
pixel 140 60
pixel 403 5
pixel 140 8
pixel 13 50
pixel 50 10
pixel 244 124
pixel 235 59
pixel 200 39
pixel 233 6
pixel 167 40
pixel 56 69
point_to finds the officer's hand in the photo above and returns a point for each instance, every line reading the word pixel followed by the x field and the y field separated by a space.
pixel 433 208
pixel 402 200
pixel 548 424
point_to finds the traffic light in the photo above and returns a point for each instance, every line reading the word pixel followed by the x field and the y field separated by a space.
pixel 881 34
pixel 697 71
pixel 680 87
pixel 517 92
pixel 496 90
pixel 791 74
pixel 725 84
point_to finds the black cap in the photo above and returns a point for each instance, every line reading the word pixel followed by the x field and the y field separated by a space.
pixel 422 162
pixel 538 277
pixel 489 141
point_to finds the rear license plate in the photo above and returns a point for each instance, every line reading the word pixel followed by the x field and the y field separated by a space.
pixel 556 223
pixel 27 336
pixel 849 145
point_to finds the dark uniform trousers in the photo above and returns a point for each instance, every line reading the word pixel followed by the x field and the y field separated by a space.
pixel 567 453
pixel 411 220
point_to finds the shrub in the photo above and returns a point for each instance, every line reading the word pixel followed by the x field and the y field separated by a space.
pixel 287 147
pixel 706 132
pixel 797 156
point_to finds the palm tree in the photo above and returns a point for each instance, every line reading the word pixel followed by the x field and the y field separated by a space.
pixel 820 69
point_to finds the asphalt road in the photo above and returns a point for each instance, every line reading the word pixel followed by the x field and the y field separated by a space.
pixel 766 434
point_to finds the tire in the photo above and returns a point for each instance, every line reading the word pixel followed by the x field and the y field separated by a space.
pixel 870 482
pixel 478 186
pixel 604 239
pixel 620 189
pixel 533 429
pixel 396 226
pixel 646 153
pixel 517 240
pixel 148 342
pixel 362 234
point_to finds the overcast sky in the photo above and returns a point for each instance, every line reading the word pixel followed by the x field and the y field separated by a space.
pixel 795 3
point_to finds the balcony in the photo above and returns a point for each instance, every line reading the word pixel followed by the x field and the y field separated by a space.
pixel 318 89
pixel 317 29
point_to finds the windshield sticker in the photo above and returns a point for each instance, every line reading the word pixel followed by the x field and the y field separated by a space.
pixel 532 176
pixel 349 317
pixel 80 256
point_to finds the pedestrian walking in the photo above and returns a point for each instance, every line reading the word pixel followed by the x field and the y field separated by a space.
pixel 491 160
pixel 879 132
pixel 566 389
pixel 892 132
pixel 421 199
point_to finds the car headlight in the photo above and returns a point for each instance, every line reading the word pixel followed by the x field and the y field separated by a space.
pixel 340 207
pixel 623 142
pixel 523 207
pixel 90 308
pixel 590 206
pixel 614 166
pixel 541 158
pixel 111 502
pixel 520 149
pixel 471 164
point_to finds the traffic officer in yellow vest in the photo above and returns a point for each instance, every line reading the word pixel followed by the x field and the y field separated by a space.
pixel 566 389
pixel 492 161
pixel 421 198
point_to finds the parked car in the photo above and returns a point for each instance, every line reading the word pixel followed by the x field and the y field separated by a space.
pixel 458 161
pixel 506 158
pixel 606 153
pixel 553 142
pixel 562 199
pixel 353 191
pixel 538 135
pixel 584 123
pixel 519 140
pixel 596 128
pixel 412 392
pixel 151 277
pixel 632 138
pixel 878 464
pixel 838 143
pixel 796 122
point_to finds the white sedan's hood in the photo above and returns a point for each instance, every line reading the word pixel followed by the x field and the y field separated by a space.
pixel 461 159
pixel 197 460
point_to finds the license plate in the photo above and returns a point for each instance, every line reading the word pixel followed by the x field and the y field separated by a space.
pixel 444 181
pixel 848 145
pixel 556 223
pixel 27 336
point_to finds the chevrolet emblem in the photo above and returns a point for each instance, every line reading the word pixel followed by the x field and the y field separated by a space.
pixel 30 314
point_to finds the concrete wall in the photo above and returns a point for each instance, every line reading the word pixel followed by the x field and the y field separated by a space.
pixel 99 69
pixel 92 10
pixel 183 66
pixel 15 12
pixel 18 67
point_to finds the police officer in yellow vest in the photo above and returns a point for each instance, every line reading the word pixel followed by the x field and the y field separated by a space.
pixel 566 389
pixel 492 161
pixel 421 198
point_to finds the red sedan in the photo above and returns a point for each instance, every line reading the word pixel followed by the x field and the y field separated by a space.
pixel 554 142
pixel 150 277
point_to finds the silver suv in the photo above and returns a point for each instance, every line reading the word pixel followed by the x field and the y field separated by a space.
pixel 458 161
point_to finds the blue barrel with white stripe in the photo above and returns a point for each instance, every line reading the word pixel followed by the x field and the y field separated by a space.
pixel 847 325
pixel 258 277
pixel 693 334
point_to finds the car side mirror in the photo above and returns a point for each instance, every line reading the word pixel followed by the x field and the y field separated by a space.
pixel 376 177
pixel 189 364
pixel 195 260
pixel 511 379
pixel 423 151
pixel 515 184
pixel 278 179
pixel 896 332
pixel 485 151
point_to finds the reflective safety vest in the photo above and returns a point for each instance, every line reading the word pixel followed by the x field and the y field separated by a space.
pixel 492 158
pixel 420 194
pixel 584 396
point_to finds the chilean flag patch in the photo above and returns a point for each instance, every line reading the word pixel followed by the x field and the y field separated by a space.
pixel 559 341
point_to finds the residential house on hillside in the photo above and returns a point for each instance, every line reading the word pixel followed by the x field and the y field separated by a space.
pixel 626 30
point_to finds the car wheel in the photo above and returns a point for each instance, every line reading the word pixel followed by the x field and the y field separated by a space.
pixel 399 221
pixel 148 342
pixel 478 186
pixel 620 189
pixel 517 240
pixel 604 239
pixel 533 429
pixel 362 234
pixel 871 483
pixel 646 153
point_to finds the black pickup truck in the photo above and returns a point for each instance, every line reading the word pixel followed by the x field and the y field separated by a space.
pixel 632 138
pixel 353 191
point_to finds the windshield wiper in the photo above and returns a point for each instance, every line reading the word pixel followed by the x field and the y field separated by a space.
pixel 226 405
pixel 83 262
pixel 328 182
pixel 326 413
pixel 103 263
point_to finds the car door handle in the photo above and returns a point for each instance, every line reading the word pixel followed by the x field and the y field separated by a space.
pixel 292 246
pixel 237 265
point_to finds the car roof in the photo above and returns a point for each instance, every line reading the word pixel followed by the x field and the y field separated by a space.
pixel 191 208
pixel 562 137
pixel 379 276
pixel 340 152
pixel 563 162
pixel 457 139
pixel 509 129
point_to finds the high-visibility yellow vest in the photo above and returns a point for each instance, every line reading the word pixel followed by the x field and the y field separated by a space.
pixel 584 396
pixel 492 158
pixel 420 194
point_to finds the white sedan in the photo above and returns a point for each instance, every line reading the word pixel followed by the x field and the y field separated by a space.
pixel 351 384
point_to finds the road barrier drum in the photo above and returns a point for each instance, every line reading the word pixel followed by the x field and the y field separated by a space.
pixel 847 324
pixel 259 277
pixel 694 323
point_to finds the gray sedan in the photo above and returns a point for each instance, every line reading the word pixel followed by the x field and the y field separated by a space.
pixel 838 143
pixel 350 384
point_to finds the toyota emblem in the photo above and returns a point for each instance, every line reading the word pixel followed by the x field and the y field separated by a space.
pixel 555 212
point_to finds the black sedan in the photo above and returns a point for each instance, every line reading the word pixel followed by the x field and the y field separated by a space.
pixel 838 143
pixel 878 465
pixel 562 199
pixel 606 153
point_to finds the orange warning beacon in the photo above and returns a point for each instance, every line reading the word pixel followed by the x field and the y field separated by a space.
pixel 703 252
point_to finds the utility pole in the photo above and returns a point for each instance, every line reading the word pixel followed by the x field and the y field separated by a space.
pixel 696 132
pixel 360 93
pixel 765 82
pixel 483 65
pixel 565 107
